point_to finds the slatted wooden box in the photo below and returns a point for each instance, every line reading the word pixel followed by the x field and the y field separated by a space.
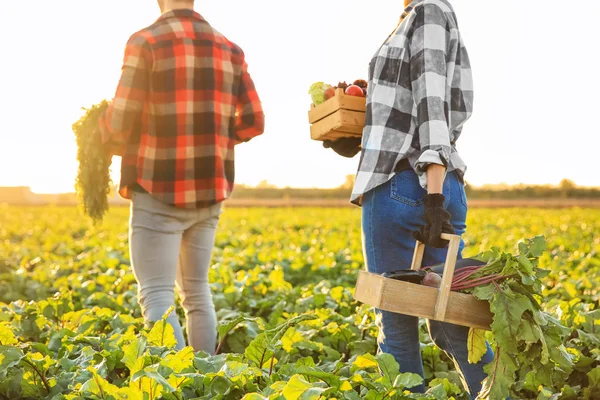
pixel 423 301
pixel 340 116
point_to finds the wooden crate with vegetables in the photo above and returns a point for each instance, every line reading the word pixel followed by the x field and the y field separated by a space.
pixel 433 299
pixel 337 111
pixel 495 291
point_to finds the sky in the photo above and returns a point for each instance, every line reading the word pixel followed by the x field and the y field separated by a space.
pixel 535 68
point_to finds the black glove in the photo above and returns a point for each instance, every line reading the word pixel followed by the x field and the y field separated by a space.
pixel 437 221
pixel 347 147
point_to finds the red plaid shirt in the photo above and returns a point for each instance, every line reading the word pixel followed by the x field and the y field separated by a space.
pixel 185 99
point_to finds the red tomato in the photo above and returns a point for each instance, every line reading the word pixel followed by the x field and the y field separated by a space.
pixel 354 90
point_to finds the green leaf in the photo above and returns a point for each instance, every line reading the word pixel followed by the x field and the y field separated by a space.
pixel 98 385
pixel 152 374
pixel 438 391
pixel 508 308
pixel 407 380
pixel 179 361
pixel 162 334
pixel 227 326
pixel 262 348
pixel 526 264
pixel 594 377
pixel 486 292
pixel 450 388
pixel 130 393
pixel 132 355
pixel 299 388
pixel 500 376
pixel 569 393
pixel 537 246
pixel 275 388
pixel 331 379
pixel 305 362
pixel 388 367
pixel 545 394
pixel 7 337
pixel 220 385
pixel 9 357
pixel 254 396
pixel 476 344
pixel 365 361
pixel 234 369
pixel 32 389
pixel 210 364
pixel 291 337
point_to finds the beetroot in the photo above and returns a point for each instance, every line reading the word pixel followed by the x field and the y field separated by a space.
pixel 432 279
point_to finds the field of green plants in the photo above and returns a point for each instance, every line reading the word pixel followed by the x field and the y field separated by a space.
pixel 282 280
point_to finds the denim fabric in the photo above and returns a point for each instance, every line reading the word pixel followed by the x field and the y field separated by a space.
pixel 391 212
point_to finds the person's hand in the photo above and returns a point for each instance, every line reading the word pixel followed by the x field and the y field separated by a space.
pixel 346 147
pixel 437 221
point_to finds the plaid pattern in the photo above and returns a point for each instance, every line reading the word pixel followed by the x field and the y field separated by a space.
pixel 419 96
pixel 185 99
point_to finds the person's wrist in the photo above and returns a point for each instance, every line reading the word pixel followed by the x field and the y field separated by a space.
pixel 433 200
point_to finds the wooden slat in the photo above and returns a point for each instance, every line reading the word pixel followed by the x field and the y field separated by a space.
pixel 444 289
pixel 419 301
pixel 417 260
pixel 369 288
pixel 339 134
pixel 341 121
pixel 339 101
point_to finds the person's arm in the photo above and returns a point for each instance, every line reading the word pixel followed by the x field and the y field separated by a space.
pixel 435 178
pixel 125 110
pixel 428 72
pixel 249 115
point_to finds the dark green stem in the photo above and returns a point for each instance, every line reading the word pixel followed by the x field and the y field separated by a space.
pixel 37 371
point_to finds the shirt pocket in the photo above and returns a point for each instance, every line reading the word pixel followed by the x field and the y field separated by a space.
pixel 388 65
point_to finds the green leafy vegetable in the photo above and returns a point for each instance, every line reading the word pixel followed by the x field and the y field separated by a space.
pixel 93 183
pixel 317 92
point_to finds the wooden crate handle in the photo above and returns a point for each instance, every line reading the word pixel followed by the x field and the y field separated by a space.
pixel 417 260
pixel 444 289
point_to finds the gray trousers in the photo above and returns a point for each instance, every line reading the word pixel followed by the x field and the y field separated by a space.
pixel 172 247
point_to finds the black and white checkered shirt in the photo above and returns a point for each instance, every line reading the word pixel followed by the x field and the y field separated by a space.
pixel 420 94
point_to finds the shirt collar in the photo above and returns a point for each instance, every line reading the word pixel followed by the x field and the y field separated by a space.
pixel 415 3
pixel 181 13
pixel 412 5
pixel 409 8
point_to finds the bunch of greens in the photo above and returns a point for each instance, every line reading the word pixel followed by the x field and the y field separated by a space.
pixel 93 182
pixel 529 342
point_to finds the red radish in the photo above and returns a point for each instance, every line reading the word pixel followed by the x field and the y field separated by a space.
pixel 354 90
pixel 432 279
pixel 329 93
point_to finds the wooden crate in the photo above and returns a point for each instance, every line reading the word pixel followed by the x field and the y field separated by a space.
pixel 423 301
pixel 340 116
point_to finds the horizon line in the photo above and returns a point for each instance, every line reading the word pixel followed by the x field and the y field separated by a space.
pixel 278 187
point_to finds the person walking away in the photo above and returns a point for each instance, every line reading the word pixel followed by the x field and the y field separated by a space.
pixel 184 100
pixel 410 177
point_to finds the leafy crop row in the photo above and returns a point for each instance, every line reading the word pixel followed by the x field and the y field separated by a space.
pixel 282 280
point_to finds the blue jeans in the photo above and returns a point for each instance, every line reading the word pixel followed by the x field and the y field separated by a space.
pixel 390 213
